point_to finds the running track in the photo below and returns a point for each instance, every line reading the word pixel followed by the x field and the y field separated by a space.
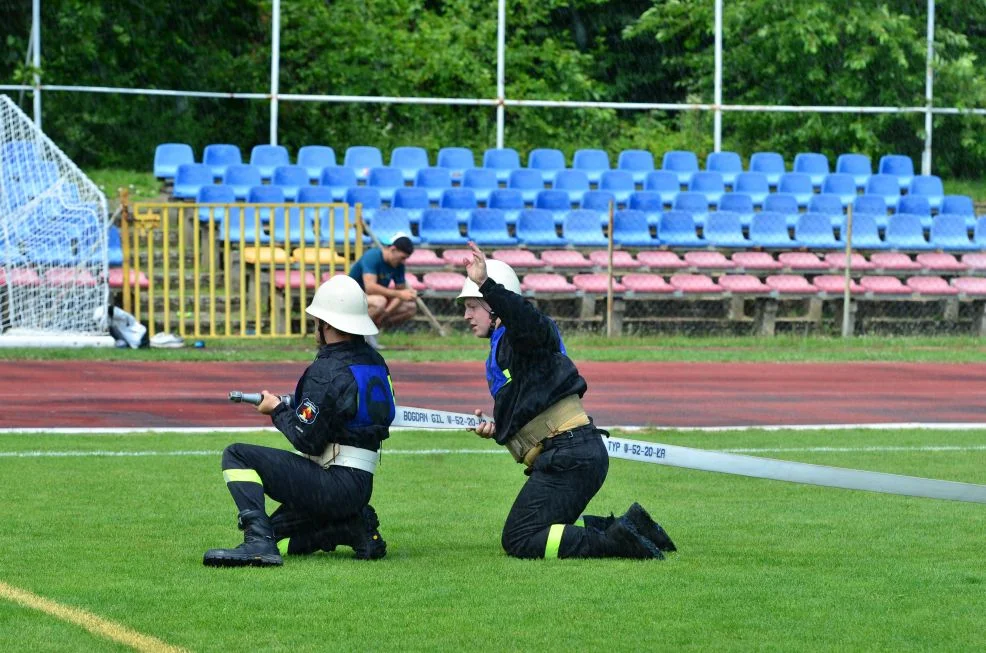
pixel 54 394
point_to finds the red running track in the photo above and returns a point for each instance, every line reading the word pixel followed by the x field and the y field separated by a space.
pixel 52 394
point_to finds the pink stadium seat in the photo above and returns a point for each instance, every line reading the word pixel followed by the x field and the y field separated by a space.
pixel 415 283
pixel 116 278
pixel 970 285
pixel 756 261
pixel 424 258
pixel 837 261
pixel 661 260
pixel 940 261
pixel 646 283
pixel 694 283
pixel 801 261
pixel 19 277
pixel 444 281
pixel 565 258
pixel 835 284
pixel 708 261
pixel 518 258
pixel 743 283
pixel 883 285
pixel 931 286
pixel 621 259
pixel 546 282
pixel 793 284
pixel 893 261
pixel 596 282
pixel 975 261
pixel 457 257
pixel 69 277
pixel 294 279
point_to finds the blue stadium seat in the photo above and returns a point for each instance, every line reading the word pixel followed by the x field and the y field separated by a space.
pixel 928 186
pixel 916 205
pixel 872 204
pixel 599 201
pixel 220 156
pixel 338 180
pixel 488 228
pixel 798 184
pixel 114 246
pixel 899 166
pixel 769 229
pixel 268 157
pixel 368 197
pixel 504 161
pixel 739 203
pixel 857 165
pixel 456 160
pixel 482 181
pixel 440 227
pixel 905 233
pixel 582 229
pixel 677 229
pixel 828 204
pixel 548 161
pixel 414 201
pixel 637 162
pixel 264 196
pixel 320 217
pixel 573 182
pixel 529 182
pixel 770 164
pixel 814 230
pixel 865 232
pixel 409 160
pixel 710 184
pixel 725 229
pixel 618 182
pixel 696 204
pixel 435 181
pixel 556 201
pixel 389 222
pixel 592 162
pixel 665 183
pixel 316 157
pixel 167 158
pixel 361 159
pixel 386 180
pixel 630 229
pixel 536 228
pixel 979 235
pixel 460 200
pixel 25 151
pixel 887 187
pixel 291 179
pixel 292 226
pixel 649 203
pixel 785 203
pixel 813 164
pixel 753 184
pixel 681 162
pixel 510 201
pixel 727 164
pixel 949 233
pixel 190 178
pixel 958 204
pixel 53 250
pixel 216 194
pixel 842 184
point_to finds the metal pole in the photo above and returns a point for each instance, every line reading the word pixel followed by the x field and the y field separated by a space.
pixel 275 67
pixel 846 331
pixel 929 76
pixel 501 40
pixel 36 43
pixel 609 275
pixel 717 115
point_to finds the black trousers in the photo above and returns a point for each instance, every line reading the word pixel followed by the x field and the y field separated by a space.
pixel 563 480
pixel 311 497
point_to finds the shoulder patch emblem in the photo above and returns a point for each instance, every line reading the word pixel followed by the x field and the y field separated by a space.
pixel 307 411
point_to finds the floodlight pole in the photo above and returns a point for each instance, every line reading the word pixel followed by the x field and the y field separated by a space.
pixel 275 67
pixel 929 77
pixel 36 59
pixel 717 100
pixel 501 39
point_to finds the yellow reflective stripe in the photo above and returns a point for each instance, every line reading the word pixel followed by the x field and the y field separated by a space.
pixel 282 546
pixel 554 541
pixel 580 522
pixel 506 374
pixel 242 475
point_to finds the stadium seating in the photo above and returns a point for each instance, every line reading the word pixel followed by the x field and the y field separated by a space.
pixel 769 229
pixel 725 229
pixel 582 229
pixel 893 262
pixel 705 261
pixel 265 195
pixel 290 178
pixel 518 259
pixel 665 183
pixel 268 157
pixel 677 229
pixel 488 227
pixel 549 161
pixel 694 284
pixel 456 160
pixel 461 200
pixel 827 204
pixel 440 227
pixel 858 262
pixel 695 204
pixel 681 162
pixel 409 159
pixel 556 201
pixel 756 261
pixel 595 282
pixel 630 229
pixel 241 179
pixel 599 201
pixel 220 156
pixel 857 165
pixel 930 187
pixel 444 281
pixel 645 283
pixel 622 259
pixel 368 198
pixel 740 204
pixel 743 284
pixel 843 185
pixel 904 233
pixel 387 181
pixel 940 262
pixel 503 160
pixel 865 232
pixel 546 282
pixel 836 285
pixel 899 166
pixel 536 228
pixel 637 162
pixel 798 184
pixel 189 178
pixel 339 180
pixel 529 182
pixel 482 181
pixel 323 195
pixel 883 285
pixel 814 230
pixel 813 164
pixel 770 164
pixel 435 181
pixel 753 184
pixel 661 260
pixel 790 284
pixel 565 258
pixel 916 205
pixel 388 222
pixel 573 182
pixel 316 157
pixel 510 201
pixel 958 204
pixel 710 184
pixel 802 262
pixel 215 194
pixel 785 203
pixel 414 201
pixel 979 232
pixel 886 187
pixel 871 205
pixel 361 159
pixel 727 164
pixel 948 232
pixel 592 162
pixel 167 158
pixel 618 182
pixel 974 286
pixel 649 203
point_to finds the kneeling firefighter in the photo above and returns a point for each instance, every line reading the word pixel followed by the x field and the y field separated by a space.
pixel 538 416
pixel 342 408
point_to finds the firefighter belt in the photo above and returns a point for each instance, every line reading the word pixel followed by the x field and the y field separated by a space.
pixel 528 443
pixel 346 456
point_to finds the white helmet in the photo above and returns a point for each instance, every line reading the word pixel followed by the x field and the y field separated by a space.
pixel 342 304
pixel 498 271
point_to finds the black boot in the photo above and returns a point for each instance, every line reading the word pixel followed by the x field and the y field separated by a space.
pixel 621 540
pixel 649 528
pixel 598 524
pixel 258 548
pixel 359 532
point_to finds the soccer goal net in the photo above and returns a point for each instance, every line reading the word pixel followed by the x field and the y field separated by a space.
pixel 53 242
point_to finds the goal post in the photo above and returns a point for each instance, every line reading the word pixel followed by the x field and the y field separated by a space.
pixel 54 250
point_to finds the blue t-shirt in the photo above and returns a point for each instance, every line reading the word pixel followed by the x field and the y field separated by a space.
pixel 372 262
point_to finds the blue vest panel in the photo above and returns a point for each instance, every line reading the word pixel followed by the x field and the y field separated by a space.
pixel 375 392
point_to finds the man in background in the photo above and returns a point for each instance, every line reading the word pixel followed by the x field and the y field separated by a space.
pixel 374 272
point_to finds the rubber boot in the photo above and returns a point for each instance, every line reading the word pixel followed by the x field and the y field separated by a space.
pixel 359 532
pixel 649 528
pixel 598 524
pixel 621 540
pixel 258 548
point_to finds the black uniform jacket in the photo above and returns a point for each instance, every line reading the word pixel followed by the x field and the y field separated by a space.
pixel 326 401
pixel 530 355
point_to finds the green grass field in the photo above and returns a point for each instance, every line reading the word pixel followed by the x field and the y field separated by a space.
pixel 762 565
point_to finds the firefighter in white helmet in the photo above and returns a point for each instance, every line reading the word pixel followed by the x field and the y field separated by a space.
pixel 340 413
pixel 538 416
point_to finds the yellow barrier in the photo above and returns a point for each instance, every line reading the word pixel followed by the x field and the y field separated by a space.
pixel 233 254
